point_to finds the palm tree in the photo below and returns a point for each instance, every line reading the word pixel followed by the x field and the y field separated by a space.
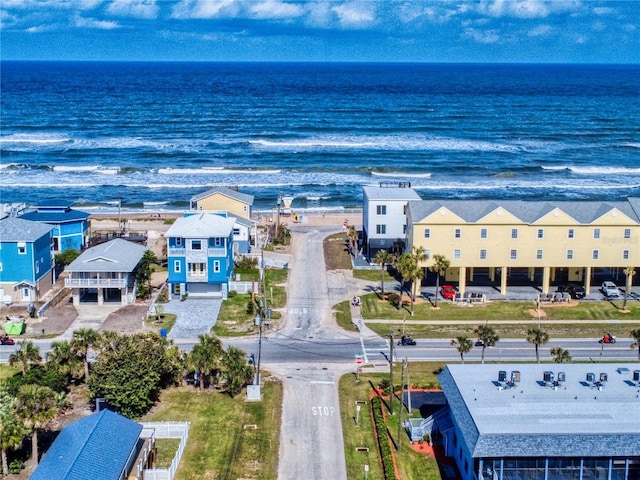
pixel 538 337
pixel 440 266
pixel 206 357
pixel 352 235
pixel 560 355
pixel 29 353
pixel 82 341
pixel 488 337
pixel 236 371
pixel 404 266
pixel 629 272
pixel 64 359
pixel 36 407
pixel 463 345
pixel 414 275
pixel 383 258
pixel 635 334
pixel 11 431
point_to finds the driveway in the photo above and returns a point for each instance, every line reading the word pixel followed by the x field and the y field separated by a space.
pixel 195 316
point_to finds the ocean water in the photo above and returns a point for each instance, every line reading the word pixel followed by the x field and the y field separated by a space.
pixel 151 135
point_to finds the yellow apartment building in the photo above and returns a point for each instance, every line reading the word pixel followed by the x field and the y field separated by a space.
pixel 548 242
pixel 223 199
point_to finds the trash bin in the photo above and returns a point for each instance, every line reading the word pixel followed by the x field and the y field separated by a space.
pixel 163 332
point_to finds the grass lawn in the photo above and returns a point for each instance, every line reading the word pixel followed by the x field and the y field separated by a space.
pixel 336 256
pixel 219 445
pixel 412 465
pixel 166 321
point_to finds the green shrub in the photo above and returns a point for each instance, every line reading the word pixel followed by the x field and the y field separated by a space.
pixel 232 293
pixel 383 443
pixel 16 466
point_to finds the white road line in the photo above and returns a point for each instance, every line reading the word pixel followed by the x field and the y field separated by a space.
pixel 364 351
pixel 322 382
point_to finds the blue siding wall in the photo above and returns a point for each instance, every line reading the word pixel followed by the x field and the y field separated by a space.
pixel 177 277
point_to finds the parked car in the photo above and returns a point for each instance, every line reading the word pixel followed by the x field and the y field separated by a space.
pixel 575 291
pixel 610 289
pixel 607 338
pixel 448 292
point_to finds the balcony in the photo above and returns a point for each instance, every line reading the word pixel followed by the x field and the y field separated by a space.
pixel 217 252
pixel 197 278
pixel 177 252
pixel 95 282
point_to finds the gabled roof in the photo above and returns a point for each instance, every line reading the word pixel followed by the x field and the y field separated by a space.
pixel 97 446
pixel 242 197
pixel 584 212
pixel 14 229
pixel 201 225
pixel 55 216
pixel 390 193
pixel 113 256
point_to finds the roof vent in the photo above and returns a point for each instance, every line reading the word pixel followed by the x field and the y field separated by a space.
pixel 636 375
pixel 603 377
pixel 562 377
pixel 591 377
pixel 547 376
pixel 502 376
pixel 515 376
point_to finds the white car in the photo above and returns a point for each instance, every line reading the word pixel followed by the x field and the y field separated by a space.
pixel 610 289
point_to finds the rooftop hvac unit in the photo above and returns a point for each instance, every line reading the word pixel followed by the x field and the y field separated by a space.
pixel 591 377
pixel 603 377
pixel 561 377
pixel 636 375
pixel 547 376
pixel 502 376
pixel 515 376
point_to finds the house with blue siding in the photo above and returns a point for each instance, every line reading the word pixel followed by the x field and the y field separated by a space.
pixel 26 260
pixel 104 445
pixel 70 227
pixel 200 255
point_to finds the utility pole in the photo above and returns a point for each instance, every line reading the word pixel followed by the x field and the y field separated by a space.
pixel 278 216
pixel 404 364
pixel 391 372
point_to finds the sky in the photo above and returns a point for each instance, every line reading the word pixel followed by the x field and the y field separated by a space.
pixel 529 31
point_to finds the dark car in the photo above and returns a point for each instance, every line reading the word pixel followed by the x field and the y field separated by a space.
pixel 448 291
pixel 575 291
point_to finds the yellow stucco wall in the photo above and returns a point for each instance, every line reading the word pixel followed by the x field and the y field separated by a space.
pixel 221 202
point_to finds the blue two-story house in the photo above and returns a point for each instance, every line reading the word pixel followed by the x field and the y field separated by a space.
pixel 70 227
pixel 26 260
pixel 200 255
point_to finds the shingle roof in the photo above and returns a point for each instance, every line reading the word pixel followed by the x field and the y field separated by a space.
pixel 471 211
pixel 243 197
pixel 390 193
pixel 14 229
pixel 201 225
pixel 534 419
pixel 97 446
pixel 113 256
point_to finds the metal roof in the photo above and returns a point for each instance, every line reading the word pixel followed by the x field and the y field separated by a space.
pixel 201 225
pixel 97 446
pixel 534 418
pixel 584 212
pixel 242 197
pixel 113 256
pixel 390 193
pixel 14 229
pixel 55 216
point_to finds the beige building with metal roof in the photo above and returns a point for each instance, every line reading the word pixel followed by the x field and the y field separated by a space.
pixel 563 241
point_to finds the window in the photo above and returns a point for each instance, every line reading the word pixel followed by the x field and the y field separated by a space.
pixel 196 244
pixel 217 242
pixel 570 233
pixel 625 254
pixel 427 233
pixel 381 209
pixel 457 233
pixel 427 252
pixel 483 254
pixel 569 254
pixel 178 241
pixel 22 248
pixel 514 255
pixel 541 233
pixel 627 233
pixel 483 233
pixel 236 231
pixel 404 229
pixel 176 266
pixel 538 254
pixel 216 266
pixel 595 254
pixel 197 269
pixel 596 233
pixel 456 254
pixel 381 229
pixel 514 233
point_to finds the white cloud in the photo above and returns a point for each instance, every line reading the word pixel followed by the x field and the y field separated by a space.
pixel 82 22
pixel 354 14
pixel 525 8
pixel 134 8
pixel 540 31
pixel 275 9
pixel 51 4
pixel 603 10
pixel 482 36
pixel 203 9
pixel 319 14
pixel 41 28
